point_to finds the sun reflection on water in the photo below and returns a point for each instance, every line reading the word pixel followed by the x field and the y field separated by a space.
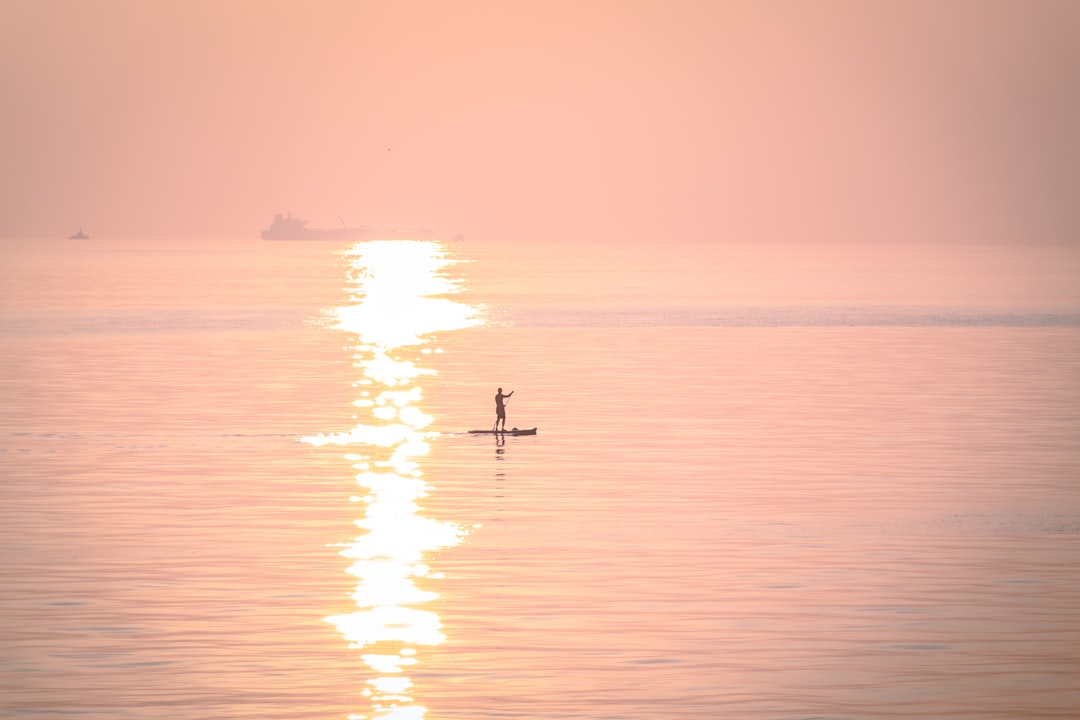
pixel 397 290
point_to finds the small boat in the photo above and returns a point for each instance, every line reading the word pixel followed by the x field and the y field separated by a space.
pixel 79 236
pixel 511 431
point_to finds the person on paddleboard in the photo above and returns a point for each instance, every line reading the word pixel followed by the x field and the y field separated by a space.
pixel 500 408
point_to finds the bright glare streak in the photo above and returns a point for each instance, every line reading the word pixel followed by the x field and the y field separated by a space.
pixel 399 290
pixel 386 663
pixel 396 685
pixel 391 624
pixel 381 435
pixel 398 287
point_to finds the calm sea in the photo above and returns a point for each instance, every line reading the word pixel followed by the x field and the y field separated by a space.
pixel 768 483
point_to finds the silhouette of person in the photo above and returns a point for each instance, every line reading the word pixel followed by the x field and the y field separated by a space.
pixel 500 408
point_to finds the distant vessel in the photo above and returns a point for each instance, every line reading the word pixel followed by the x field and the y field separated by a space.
pixel 79 236
pixel 286 227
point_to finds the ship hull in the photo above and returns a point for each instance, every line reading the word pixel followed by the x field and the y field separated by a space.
pixel 291 228
pixel 346 234
pixel 318 234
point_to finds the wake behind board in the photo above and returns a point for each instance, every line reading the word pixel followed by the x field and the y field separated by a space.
pixel 511 431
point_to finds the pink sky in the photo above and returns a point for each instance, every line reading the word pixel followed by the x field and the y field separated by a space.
pixel 725 121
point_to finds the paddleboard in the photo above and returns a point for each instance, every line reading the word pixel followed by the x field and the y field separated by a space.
pixel 511 431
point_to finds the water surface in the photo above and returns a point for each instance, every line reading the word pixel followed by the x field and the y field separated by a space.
pixel 812 490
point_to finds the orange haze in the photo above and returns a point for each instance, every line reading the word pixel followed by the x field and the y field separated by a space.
pixel 829 121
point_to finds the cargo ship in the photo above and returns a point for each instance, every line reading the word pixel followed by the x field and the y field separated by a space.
pixel 286 227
